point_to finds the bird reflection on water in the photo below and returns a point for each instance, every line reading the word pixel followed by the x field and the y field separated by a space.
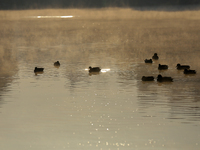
pixel 39 73
pixel 93 73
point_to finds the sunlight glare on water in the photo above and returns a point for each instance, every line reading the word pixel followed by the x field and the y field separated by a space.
pixel 52 16
pixel 105 70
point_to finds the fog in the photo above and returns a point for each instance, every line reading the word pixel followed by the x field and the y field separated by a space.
pixel 121 33
pixel 134 31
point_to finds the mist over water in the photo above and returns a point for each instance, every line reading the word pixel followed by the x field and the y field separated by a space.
pixel 68 108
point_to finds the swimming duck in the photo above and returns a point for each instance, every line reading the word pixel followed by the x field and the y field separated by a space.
pixel 155 56
pixel 162 67
pixel 179 66
pixel 147 78
pixel 57 63
pixel 160 78
pixel 38 69
pixel 148 61
pixel 94 69
pixel 188 71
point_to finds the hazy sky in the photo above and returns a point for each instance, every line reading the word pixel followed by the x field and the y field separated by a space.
pixel 24 4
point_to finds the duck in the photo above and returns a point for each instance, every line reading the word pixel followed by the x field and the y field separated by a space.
pixel 94 69
pixel 162 67
pixel 180 67
pixel 160 78
pixel 147 78
pixel 188 71
pixel 155 56
pixel 38 69
pixel 57 63
pixel 148 61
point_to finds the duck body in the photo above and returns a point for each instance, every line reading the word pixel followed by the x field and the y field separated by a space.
pixel 147 78
pixel 57 63
pixel 155 56
pixel 188 71
pixel 148 61
pixel 38 69
pixel 180 67
pixel 162 67
pixel 160 78
pixel 94 69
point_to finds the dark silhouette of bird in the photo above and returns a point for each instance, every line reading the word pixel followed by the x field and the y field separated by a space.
pixel 160 78
pixel 38 69
pixel 188 71
pixel 162 67
pixel 147 78
pixel 180 67
pixel 57 63
pixel 155 56
pixel 94 69
pixel 148 61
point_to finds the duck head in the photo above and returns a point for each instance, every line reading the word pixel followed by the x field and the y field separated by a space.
pixel 178 65
pixel 159 76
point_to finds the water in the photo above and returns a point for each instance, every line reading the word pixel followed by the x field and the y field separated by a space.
pixel 68 108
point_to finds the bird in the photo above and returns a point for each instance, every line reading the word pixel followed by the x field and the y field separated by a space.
pixel 147 78
pixel 38 69
pixel 162 67
pixel 57 63
pixel 155 56
pixel 160 78
pixel 188 71
pixel 148 61
pixel 180 67
pixel 94 69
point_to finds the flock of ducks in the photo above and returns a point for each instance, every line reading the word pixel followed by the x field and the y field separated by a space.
pixel 160 78
pixel 57 64
pixel 40 70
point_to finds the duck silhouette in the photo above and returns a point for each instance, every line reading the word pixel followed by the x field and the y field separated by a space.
pixel 38 69
pixel 57 63
pixel 94 69
pixel 155 56
pixel 147 78
pixel 180 67
pixel 160 78
pixel 188 71
pixel 162 67
pixel 148 61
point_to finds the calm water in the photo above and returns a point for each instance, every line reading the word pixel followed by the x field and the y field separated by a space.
pixel 68 108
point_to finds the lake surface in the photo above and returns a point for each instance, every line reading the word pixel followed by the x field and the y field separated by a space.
pixel 68 108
